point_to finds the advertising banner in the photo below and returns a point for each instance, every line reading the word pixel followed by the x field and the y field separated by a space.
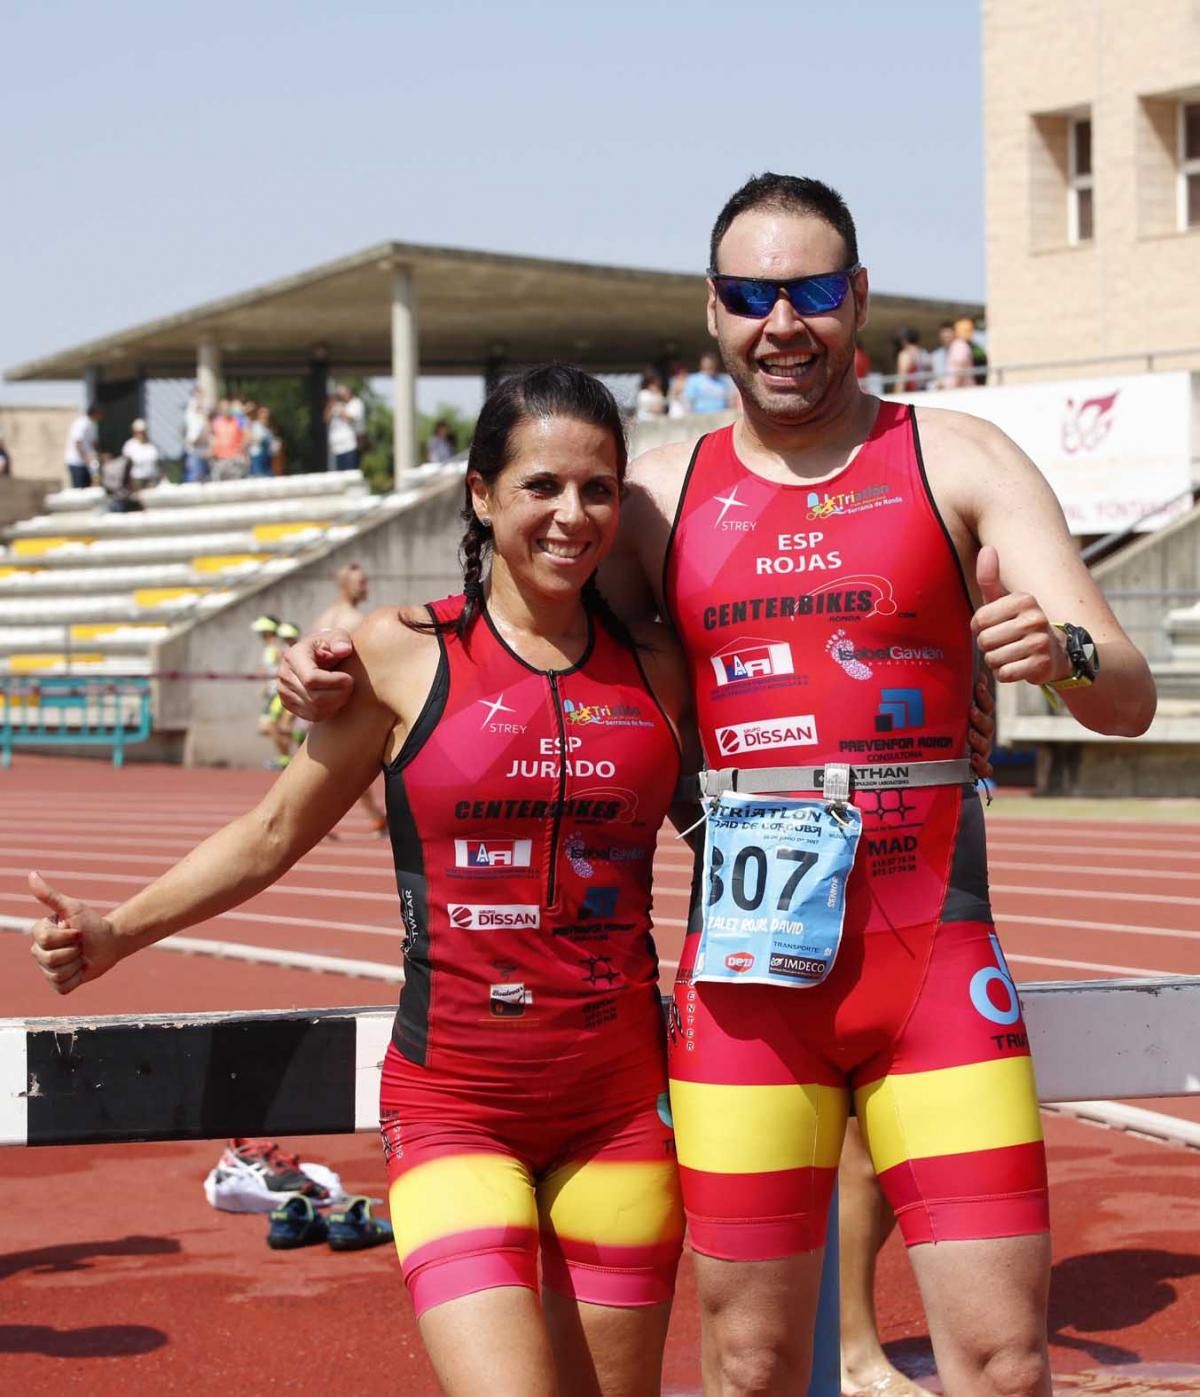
pixel 1114 450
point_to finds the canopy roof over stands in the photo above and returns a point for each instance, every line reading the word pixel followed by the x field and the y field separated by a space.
pixel 474 308
pixel 406 309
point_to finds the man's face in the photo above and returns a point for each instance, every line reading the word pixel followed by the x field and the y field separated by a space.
pixel 356 585
pixel 708 364
pixel 787 367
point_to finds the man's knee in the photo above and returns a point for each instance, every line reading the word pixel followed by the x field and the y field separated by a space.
pixel 748 1362
pixel 1016 1371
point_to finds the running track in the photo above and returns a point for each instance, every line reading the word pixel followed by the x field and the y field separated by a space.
pixel 115 1273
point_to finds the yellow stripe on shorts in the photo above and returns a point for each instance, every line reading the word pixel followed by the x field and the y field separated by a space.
pixel 617 1203
pixel 724 1129
pixel 459 1193
pixel 950 1110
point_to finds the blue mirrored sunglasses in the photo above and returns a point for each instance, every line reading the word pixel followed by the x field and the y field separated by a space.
pixel 755 297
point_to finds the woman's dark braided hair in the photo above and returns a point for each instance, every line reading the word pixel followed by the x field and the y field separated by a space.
pixel 551 390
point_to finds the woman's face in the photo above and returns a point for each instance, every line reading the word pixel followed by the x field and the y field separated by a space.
pixel 553 509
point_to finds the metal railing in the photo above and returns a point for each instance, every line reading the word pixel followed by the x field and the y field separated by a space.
pixel 1143 360
pixel 72 711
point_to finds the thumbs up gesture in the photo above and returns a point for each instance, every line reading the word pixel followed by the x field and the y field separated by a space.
pixel 1012 631
pixel 74 944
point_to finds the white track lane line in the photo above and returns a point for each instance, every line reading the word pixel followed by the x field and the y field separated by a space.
pixel 264 955
pixel 1021 890
pixel 377 970
pixel 1120 928
pixel 166 861
pixel 1157 874
pixel 375 850
pixel 270 919
pixel 279 888
pixel 1137 971
pixel 1132 851
pixel 1134 833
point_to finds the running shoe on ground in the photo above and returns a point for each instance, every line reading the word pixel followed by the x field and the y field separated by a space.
pixel 353 1228
pixel 296 1224
pixel 279 1173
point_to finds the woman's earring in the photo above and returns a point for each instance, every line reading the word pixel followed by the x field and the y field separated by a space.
pixel 484 522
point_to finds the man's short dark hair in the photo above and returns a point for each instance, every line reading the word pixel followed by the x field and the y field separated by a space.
pixel 789 194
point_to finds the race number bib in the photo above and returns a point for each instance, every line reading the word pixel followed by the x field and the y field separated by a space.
pixel 775 889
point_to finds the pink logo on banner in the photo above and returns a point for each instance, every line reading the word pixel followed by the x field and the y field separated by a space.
pixel 1087 423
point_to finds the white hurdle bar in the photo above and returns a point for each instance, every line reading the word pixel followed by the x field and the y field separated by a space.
pixel 74 1081
pixel 67 1081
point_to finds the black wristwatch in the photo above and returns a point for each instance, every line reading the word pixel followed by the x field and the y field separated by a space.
pixel 1084 657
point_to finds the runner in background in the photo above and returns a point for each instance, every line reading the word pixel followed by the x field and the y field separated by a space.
pixel 345 613
pixel 274 721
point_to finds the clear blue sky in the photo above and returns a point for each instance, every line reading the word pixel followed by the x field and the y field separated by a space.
pixel 160 155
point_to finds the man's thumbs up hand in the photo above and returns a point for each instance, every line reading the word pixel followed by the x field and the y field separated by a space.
pixel 1012 631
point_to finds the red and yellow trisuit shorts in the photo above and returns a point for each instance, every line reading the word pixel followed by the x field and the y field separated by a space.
pixel 577 1165
pixel 921 1028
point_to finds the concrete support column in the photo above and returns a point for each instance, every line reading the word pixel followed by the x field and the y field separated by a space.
pixel 91 386
pixel 208 373
pixel 316 389
pixel 404 372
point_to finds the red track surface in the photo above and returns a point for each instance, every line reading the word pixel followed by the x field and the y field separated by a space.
pixel 116 1275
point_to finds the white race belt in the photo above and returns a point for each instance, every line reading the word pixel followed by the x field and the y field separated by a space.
pixel 830 779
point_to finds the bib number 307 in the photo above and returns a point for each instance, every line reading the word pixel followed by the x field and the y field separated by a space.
pixel 775 895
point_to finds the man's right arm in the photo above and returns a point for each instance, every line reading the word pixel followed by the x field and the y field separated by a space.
pixel 309 682
pixel 631 575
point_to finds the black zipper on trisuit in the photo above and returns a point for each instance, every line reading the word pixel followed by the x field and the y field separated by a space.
pixel 552 880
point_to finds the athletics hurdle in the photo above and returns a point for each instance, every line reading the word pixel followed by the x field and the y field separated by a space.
pixel 210 1076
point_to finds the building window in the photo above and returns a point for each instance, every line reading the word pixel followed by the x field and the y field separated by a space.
pixel 1189 164
pixel 1080 191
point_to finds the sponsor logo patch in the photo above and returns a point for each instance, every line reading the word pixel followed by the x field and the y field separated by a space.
pixel 600 903
pixel 799 730
pixel 857 597
pixel 728 519
pixel 474 916
pixel 604 715
pixel 746 660
pixel 900 708
pixel 509 1001
pixel 486 854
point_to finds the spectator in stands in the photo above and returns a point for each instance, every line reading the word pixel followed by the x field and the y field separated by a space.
pixel 347 422
pixel 262 443
pixel 709 390
pixel 651 401
pixel 912 362
pixel 5 460
pixel 937 360
pixel 115 477
pixel 81 458
pixel 960 356
pixel 676 404
pixel 145 468
pixel 227 453
pixel 195 439
pixel 441 445
pixel 979 354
